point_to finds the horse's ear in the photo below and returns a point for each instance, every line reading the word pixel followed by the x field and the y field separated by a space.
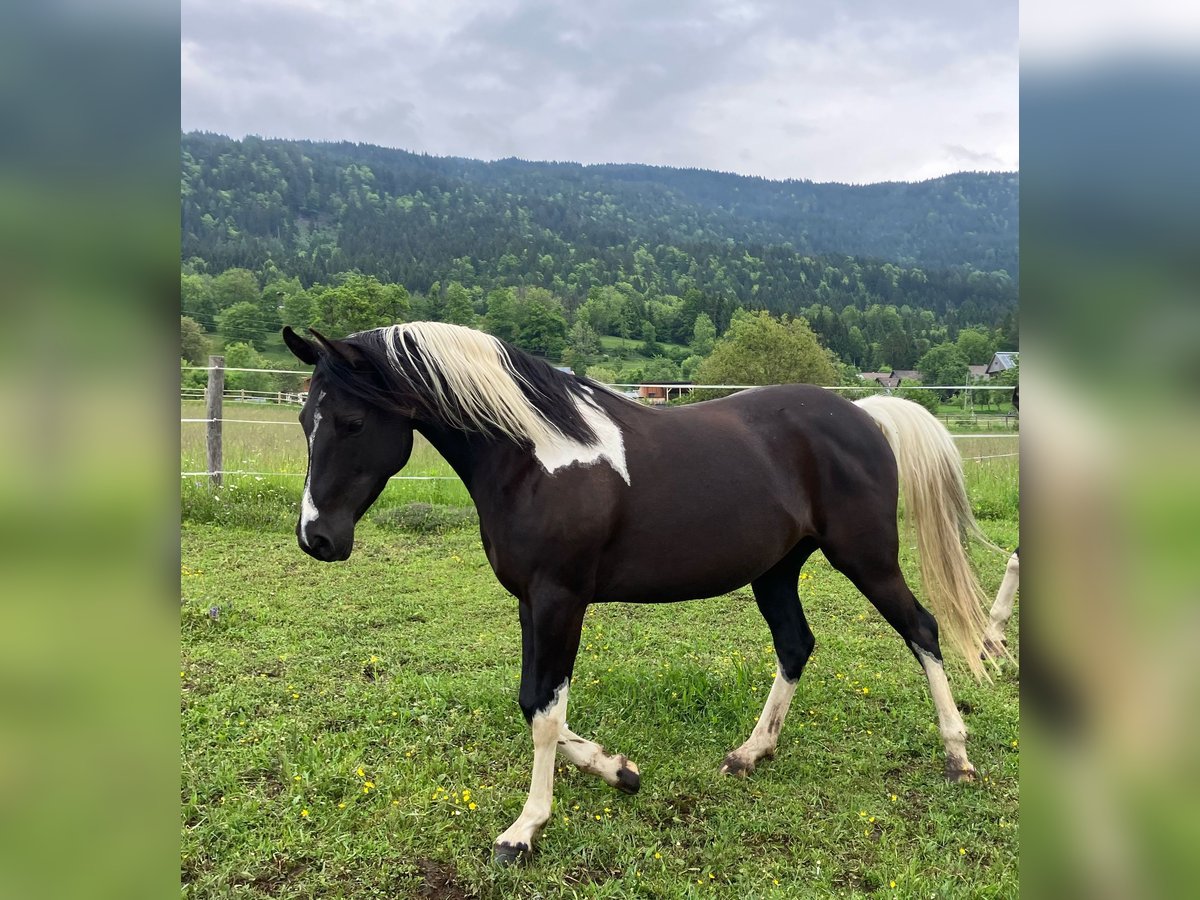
pixel 348 352
pixel 304 351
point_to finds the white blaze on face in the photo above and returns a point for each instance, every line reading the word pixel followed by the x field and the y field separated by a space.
pixel 555 451
pixel 308 510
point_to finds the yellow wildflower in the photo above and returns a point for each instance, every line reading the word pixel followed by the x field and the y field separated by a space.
pixel 304 813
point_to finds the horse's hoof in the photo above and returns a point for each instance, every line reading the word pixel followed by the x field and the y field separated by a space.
pixel 957 773
pixel 509 854
pixel 993 649
pixel 736 766
pixel 628 779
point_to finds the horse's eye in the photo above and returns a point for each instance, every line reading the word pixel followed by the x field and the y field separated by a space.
pixel 354 427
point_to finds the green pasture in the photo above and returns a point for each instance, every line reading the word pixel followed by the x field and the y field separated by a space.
pixel 351 730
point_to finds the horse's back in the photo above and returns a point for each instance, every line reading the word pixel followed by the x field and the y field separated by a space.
pixel 720 491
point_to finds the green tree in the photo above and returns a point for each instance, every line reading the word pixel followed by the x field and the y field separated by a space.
pixel 459 310
pixel 659 370
pixel 976 345
pixel 927 399
pixel 243 322
pixel 193 345
pixel 758 349
pixel 501 318
pixel 583 346
pixel 358 303
pixel 234 286
pixel 196 298
pixel 274 297
pixel 943 365
pixel 603 374
pixel 395 304
pixel 355 308
pixel 704 335
pixel 242 355
pixel 650 345
pixel 298 310
pixel 543 328
pixel 1008 377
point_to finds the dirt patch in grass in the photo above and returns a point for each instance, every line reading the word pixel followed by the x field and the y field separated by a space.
pixel 272 879
pixel 441 881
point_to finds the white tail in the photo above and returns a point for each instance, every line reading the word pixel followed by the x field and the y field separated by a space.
pixel 938 511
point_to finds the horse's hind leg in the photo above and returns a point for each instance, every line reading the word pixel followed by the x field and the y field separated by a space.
pixel 779 602
pixel 872 565
pixel 1002 610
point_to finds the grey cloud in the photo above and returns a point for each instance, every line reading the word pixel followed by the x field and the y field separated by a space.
pixel 762 86
pixel 973 157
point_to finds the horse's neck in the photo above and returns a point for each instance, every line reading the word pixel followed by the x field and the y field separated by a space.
pixel 469 455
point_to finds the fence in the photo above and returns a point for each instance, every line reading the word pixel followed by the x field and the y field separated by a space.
pixel 215 393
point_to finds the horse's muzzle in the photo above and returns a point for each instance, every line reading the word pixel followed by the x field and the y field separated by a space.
pixel 318 546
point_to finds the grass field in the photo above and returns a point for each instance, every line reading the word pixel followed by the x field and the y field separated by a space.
pixel 351 730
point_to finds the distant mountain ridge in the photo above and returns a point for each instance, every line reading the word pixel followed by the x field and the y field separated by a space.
pixel 314 209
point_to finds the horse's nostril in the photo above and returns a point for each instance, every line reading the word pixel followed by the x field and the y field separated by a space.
pixel 319 547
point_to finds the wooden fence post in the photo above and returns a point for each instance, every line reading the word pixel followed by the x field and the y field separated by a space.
pixel 213 395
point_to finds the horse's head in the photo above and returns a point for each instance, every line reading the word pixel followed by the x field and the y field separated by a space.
pixel 355 443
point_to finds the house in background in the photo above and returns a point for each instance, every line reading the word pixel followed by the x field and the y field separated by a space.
pixel 657 394
pixel 893 379
pixel 977 373
pixel 1002 361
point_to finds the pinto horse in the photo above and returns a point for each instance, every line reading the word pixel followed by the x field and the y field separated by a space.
pixel 575 485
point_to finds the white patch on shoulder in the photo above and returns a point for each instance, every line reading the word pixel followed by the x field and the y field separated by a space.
pixel 308 509
pixel 554 451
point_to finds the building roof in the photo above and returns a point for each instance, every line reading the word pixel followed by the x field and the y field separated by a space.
pixel 978 372
pixel 1004 359
pixel 892 379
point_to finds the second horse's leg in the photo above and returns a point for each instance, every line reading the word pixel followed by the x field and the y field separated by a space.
pixel 1002 610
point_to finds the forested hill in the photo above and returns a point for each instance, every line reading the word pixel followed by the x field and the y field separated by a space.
pixel 317 209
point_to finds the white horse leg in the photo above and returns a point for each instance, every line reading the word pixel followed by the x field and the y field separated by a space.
pixel 1002 610
pixel 547 724
pixel 765 736
pixel 950 723
pixel 590 757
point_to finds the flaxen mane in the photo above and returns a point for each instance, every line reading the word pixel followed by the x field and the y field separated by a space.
pixel 467 380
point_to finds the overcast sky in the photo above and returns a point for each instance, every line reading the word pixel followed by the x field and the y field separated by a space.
pixel 871 90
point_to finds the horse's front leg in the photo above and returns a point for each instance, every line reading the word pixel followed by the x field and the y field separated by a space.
pixel 551 622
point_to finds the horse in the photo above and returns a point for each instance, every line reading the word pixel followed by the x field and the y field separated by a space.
pixel 575 485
